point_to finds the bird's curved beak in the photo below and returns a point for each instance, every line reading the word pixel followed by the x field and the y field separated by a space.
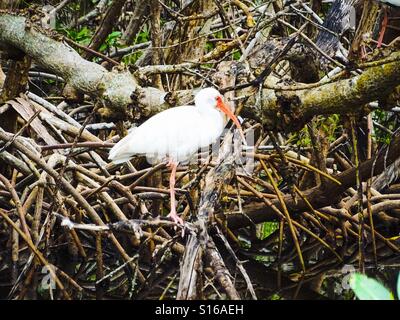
pixel 225 109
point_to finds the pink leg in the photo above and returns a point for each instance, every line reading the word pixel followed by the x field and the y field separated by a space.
pixel 383 29
pixel 173 214
pixel 170 163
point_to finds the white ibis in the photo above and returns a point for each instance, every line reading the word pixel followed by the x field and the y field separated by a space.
pixel 395 3
pixel 176 134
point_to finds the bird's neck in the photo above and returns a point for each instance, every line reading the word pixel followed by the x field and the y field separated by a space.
pixel 213 118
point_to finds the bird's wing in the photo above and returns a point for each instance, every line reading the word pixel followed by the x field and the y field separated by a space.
pixel 173 132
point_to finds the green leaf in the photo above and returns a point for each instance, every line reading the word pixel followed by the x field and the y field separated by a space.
pixel 103 47
pixel 236 55
pixel 398 286
pixel 369 289
pixel 268 228
pixel 114 34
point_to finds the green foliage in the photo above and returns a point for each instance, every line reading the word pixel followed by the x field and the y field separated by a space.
pixel 329 125
pixel 92 277
pixel 111 41
pixel 209 46
pixel 383 118
pixel 268 228
pixel 301 137
pixel 236 55
pixel 326 7
pixel 369 289
pixel 50 81
pixel 143 36
pixel 83 36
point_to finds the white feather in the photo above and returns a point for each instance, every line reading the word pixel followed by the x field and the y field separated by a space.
pixel 176 133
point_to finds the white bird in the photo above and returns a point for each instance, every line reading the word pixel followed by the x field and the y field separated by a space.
pixel 176 135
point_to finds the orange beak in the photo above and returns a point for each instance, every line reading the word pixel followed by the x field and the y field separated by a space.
pixel 225 109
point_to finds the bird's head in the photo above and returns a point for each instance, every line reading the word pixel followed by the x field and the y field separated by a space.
pixel 211 98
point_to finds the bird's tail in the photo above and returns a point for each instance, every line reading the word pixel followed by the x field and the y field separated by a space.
pixel 122 151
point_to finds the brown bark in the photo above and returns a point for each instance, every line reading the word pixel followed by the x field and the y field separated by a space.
pixel 14 84
pixel 319 196
pixel 156 39
pixel 105 26
pixel 135 23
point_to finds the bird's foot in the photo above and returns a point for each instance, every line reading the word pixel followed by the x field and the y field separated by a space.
pixel 178 220
pixel 175 218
